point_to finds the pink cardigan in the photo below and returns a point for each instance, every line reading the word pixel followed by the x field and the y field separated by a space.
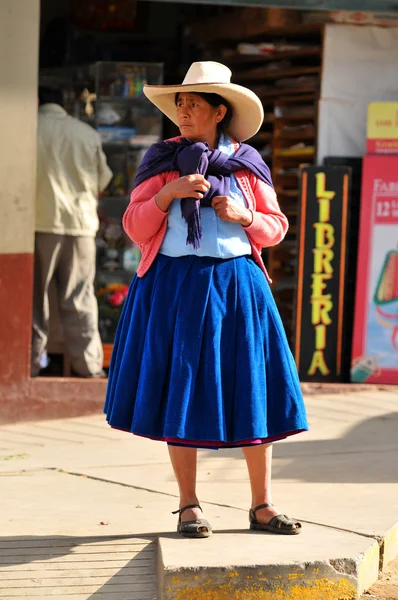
pixel 145 223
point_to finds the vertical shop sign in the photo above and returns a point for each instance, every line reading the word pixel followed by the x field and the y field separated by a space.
pixel 321 272
pixel 375 344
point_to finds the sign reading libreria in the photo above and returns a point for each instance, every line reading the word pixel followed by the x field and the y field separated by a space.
pixel 322 257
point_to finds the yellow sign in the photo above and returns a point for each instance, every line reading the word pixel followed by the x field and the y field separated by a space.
pixel 321 302
pixel 383 121
pixel 321 273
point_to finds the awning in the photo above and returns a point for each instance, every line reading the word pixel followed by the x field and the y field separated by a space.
pixel 358 5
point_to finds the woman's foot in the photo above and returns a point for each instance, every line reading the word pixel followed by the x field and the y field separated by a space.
pixel 191 514
pixel 191 522
pixel 265 517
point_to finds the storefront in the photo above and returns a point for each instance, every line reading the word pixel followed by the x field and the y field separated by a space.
pixel 288 63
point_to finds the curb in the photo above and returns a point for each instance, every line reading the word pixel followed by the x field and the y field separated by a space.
pixel 389 547
pixel 206 569
pixel 45 398
pixel 312 388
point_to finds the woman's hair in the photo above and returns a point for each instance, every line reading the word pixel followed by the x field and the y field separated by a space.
pixel 215 100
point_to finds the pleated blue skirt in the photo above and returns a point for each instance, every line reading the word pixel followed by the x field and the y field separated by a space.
pixel 201 357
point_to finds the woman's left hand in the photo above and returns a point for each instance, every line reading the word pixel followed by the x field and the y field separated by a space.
pixel 228 210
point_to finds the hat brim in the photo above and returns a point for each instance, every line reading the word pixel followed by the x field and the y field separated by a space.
pixel 248 112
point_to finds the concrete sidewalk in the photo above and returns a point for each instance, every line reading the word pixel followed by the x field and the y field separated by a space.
pixel 85 511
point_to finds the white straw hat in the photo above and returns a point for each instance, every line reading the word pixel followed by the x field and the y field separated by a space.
pixel 213 78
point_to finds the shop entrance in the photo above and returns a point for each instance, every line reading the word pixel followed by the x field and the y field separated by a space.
pixel 95 58
pixel 102 55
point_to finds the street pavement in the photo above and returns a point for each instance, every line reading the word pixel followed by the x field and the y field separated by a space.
pixel 85 511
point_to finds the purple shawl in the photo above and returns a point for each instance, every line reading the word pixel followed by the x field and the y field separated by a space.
pixel 189 158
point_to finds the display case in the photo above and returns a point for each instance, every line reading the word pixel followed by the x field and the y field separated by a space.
pixel 109 97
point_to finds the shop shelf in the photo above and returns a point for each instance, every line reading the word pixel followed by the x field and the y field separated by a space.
pixel 292 155
pixel 243 59
pixel 277 93
pixel 131 99
pixel 289 94
pixel 263 75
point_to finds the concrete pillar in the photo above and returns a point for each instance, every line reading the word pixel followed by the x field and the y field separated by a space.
pixel 19 50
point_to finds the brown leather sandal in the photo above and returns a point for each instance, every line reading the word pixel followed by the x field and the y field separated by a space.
pixel 280 524
pixel 193 529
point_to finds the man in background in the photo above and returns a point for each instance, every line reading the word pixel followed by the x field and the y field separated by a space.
pixel 71 171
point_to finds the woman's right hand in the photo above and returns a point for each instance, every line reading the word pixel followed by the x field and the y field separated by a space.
pixel 189 186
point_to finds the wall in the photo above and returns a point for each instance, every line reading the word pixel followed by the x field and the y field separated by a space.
pixel 360 66
pixel 22 398
pixel 19 26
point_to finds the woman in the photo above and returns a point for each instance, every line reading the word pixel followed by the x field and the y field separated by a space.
pixel 201 359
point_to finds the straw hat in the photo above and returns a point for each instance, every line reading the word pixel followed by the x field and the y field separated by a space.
pixel 213 78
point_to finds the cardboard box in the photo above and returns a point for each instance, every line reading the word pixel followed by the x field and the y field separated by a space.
pixel 352 18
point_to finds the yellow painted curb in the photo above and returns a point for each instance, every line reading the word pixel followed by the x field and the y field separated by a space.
pixel 390 546
pixel 322 589
pixel 368 568
pixel 334 579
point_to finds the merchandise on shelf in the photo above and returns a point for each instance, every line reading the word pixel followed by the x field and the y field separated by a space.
pixel 104 14
pixel 267 49
pixel 124 81
pixel 115 135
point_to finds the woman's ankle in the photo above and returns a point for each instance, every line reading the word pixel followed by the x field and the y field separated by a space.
pixel 188 501
pixel 261 500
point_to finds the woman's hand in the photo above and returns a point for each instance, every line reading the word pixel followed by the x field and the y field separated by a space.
pixel 190 186
pixel 228 210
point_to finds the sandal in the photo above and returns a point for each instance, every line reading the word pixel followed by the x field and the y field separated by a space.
pixel 193 529
pixel 280 524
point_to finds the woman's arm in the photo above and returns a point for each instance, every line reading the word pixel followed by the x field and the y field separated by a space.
pixel 151 199
pixel 269 225
pixel 143 218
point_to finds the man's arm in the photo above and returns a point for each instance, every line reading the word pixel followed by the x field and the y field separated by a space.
pixel 104 172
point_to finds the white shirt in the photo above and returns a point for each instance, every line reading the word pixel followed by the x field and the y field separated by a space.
pixel 71 171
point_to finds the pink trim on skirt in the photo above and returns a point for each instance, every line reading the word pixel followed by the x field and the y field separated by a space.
pixel 215 445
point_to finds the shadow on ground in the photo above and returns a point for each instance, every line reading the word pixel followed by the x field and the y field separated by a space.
pixel 22 550
pixel 111 571
pixel 367 453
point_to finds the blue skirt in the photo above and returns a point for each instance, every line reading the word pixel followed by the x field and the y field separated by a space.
pixel 201 357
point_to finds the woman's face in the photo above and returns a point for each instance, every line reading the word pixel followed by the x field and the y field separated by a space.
pixel 197 119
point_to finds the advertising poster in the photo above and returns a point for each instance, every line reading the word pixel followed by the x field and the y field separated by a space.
pixel 375 344
pixel 322 268
pixel 382 128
